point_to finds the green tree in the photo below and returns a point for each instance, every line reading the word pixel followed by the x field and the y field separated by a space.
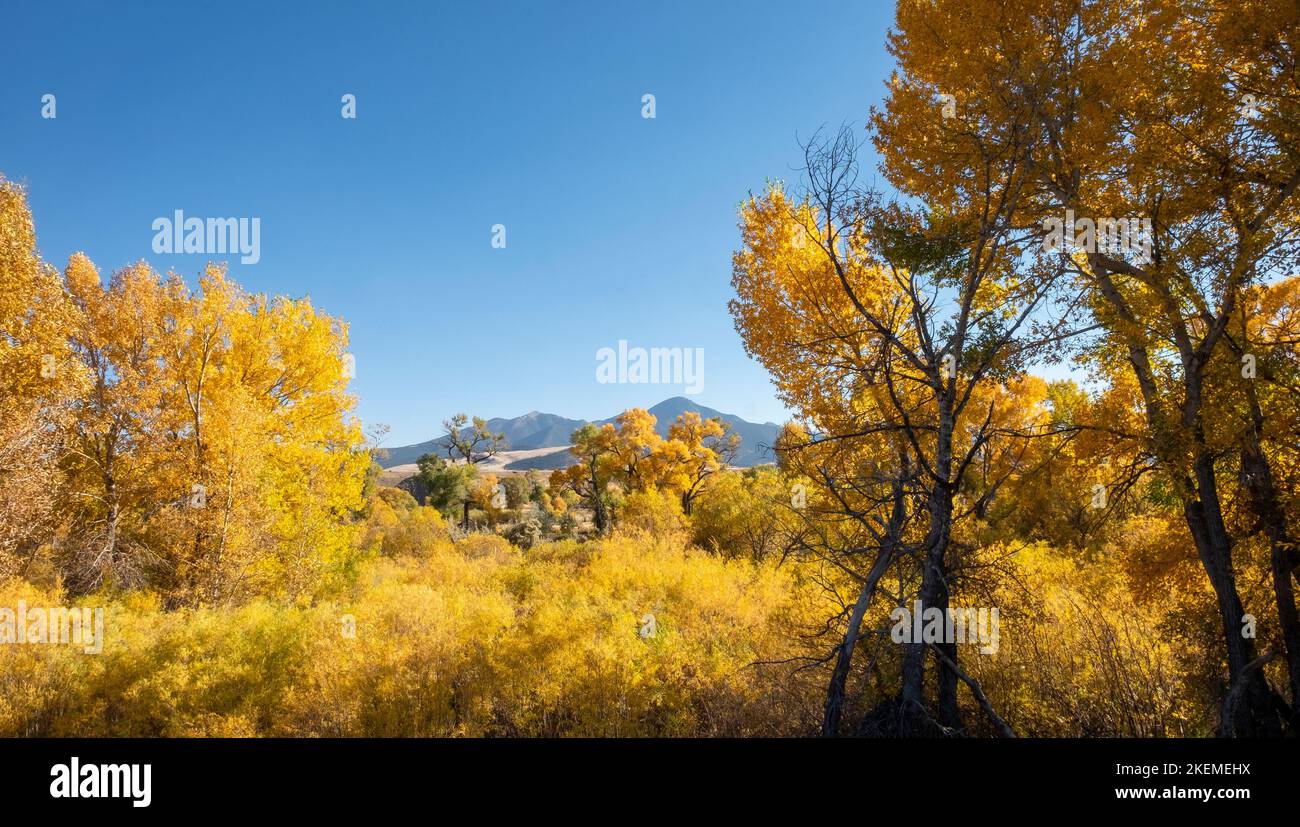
pixel 447 485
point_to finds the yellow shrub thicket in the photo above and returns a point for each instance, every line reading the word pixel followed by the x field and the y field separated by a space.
pixel 637 634
pixel 632 635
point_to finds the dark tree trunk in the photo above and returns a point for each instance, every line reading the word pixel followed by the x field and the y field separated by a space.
pixel 1248 710
pixel 934 594
pixel 844 657
pixel 1257 480
pixel 597 501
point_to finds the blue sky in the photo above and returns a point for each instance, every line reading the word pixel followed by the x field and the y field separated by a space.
pixel 468 115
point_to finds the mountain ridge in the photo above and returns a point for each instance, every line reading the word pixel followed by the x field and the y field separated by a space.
pixel 535 429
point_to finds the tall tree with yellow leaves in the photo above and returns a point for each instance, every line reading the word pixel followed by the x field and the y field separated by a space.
pixel 38 380
pixel 696 449
pixel 213 456
pixel 1163 148
pixel 889 328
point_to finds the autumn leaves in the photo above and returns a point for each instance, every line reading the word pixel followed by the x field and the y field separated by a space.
pixel 633 457
pixel 1001 117
pixel 195 442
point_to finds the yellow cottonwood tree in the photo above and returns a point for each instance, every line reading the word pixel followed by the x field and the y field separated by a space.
pixel 1181 122
pixel 214 456
pixel 37 381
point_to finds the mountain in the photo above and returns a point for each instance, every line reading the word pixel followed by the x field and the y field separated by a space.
pixel 532 430
pixel 541 430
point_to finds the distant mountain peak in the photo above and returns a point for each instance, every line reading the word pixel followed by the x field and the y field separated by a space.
pixel 535 430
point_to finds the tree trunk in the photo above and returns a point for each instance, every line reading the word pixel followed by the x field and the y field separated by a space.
pixel 602 519
pixel 1251 712
pixel 934 591
pixel 844 658
pixel 1257 480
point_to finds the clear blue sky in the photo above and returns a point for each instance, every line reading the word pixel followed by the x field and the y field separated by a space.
pixel 468 115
